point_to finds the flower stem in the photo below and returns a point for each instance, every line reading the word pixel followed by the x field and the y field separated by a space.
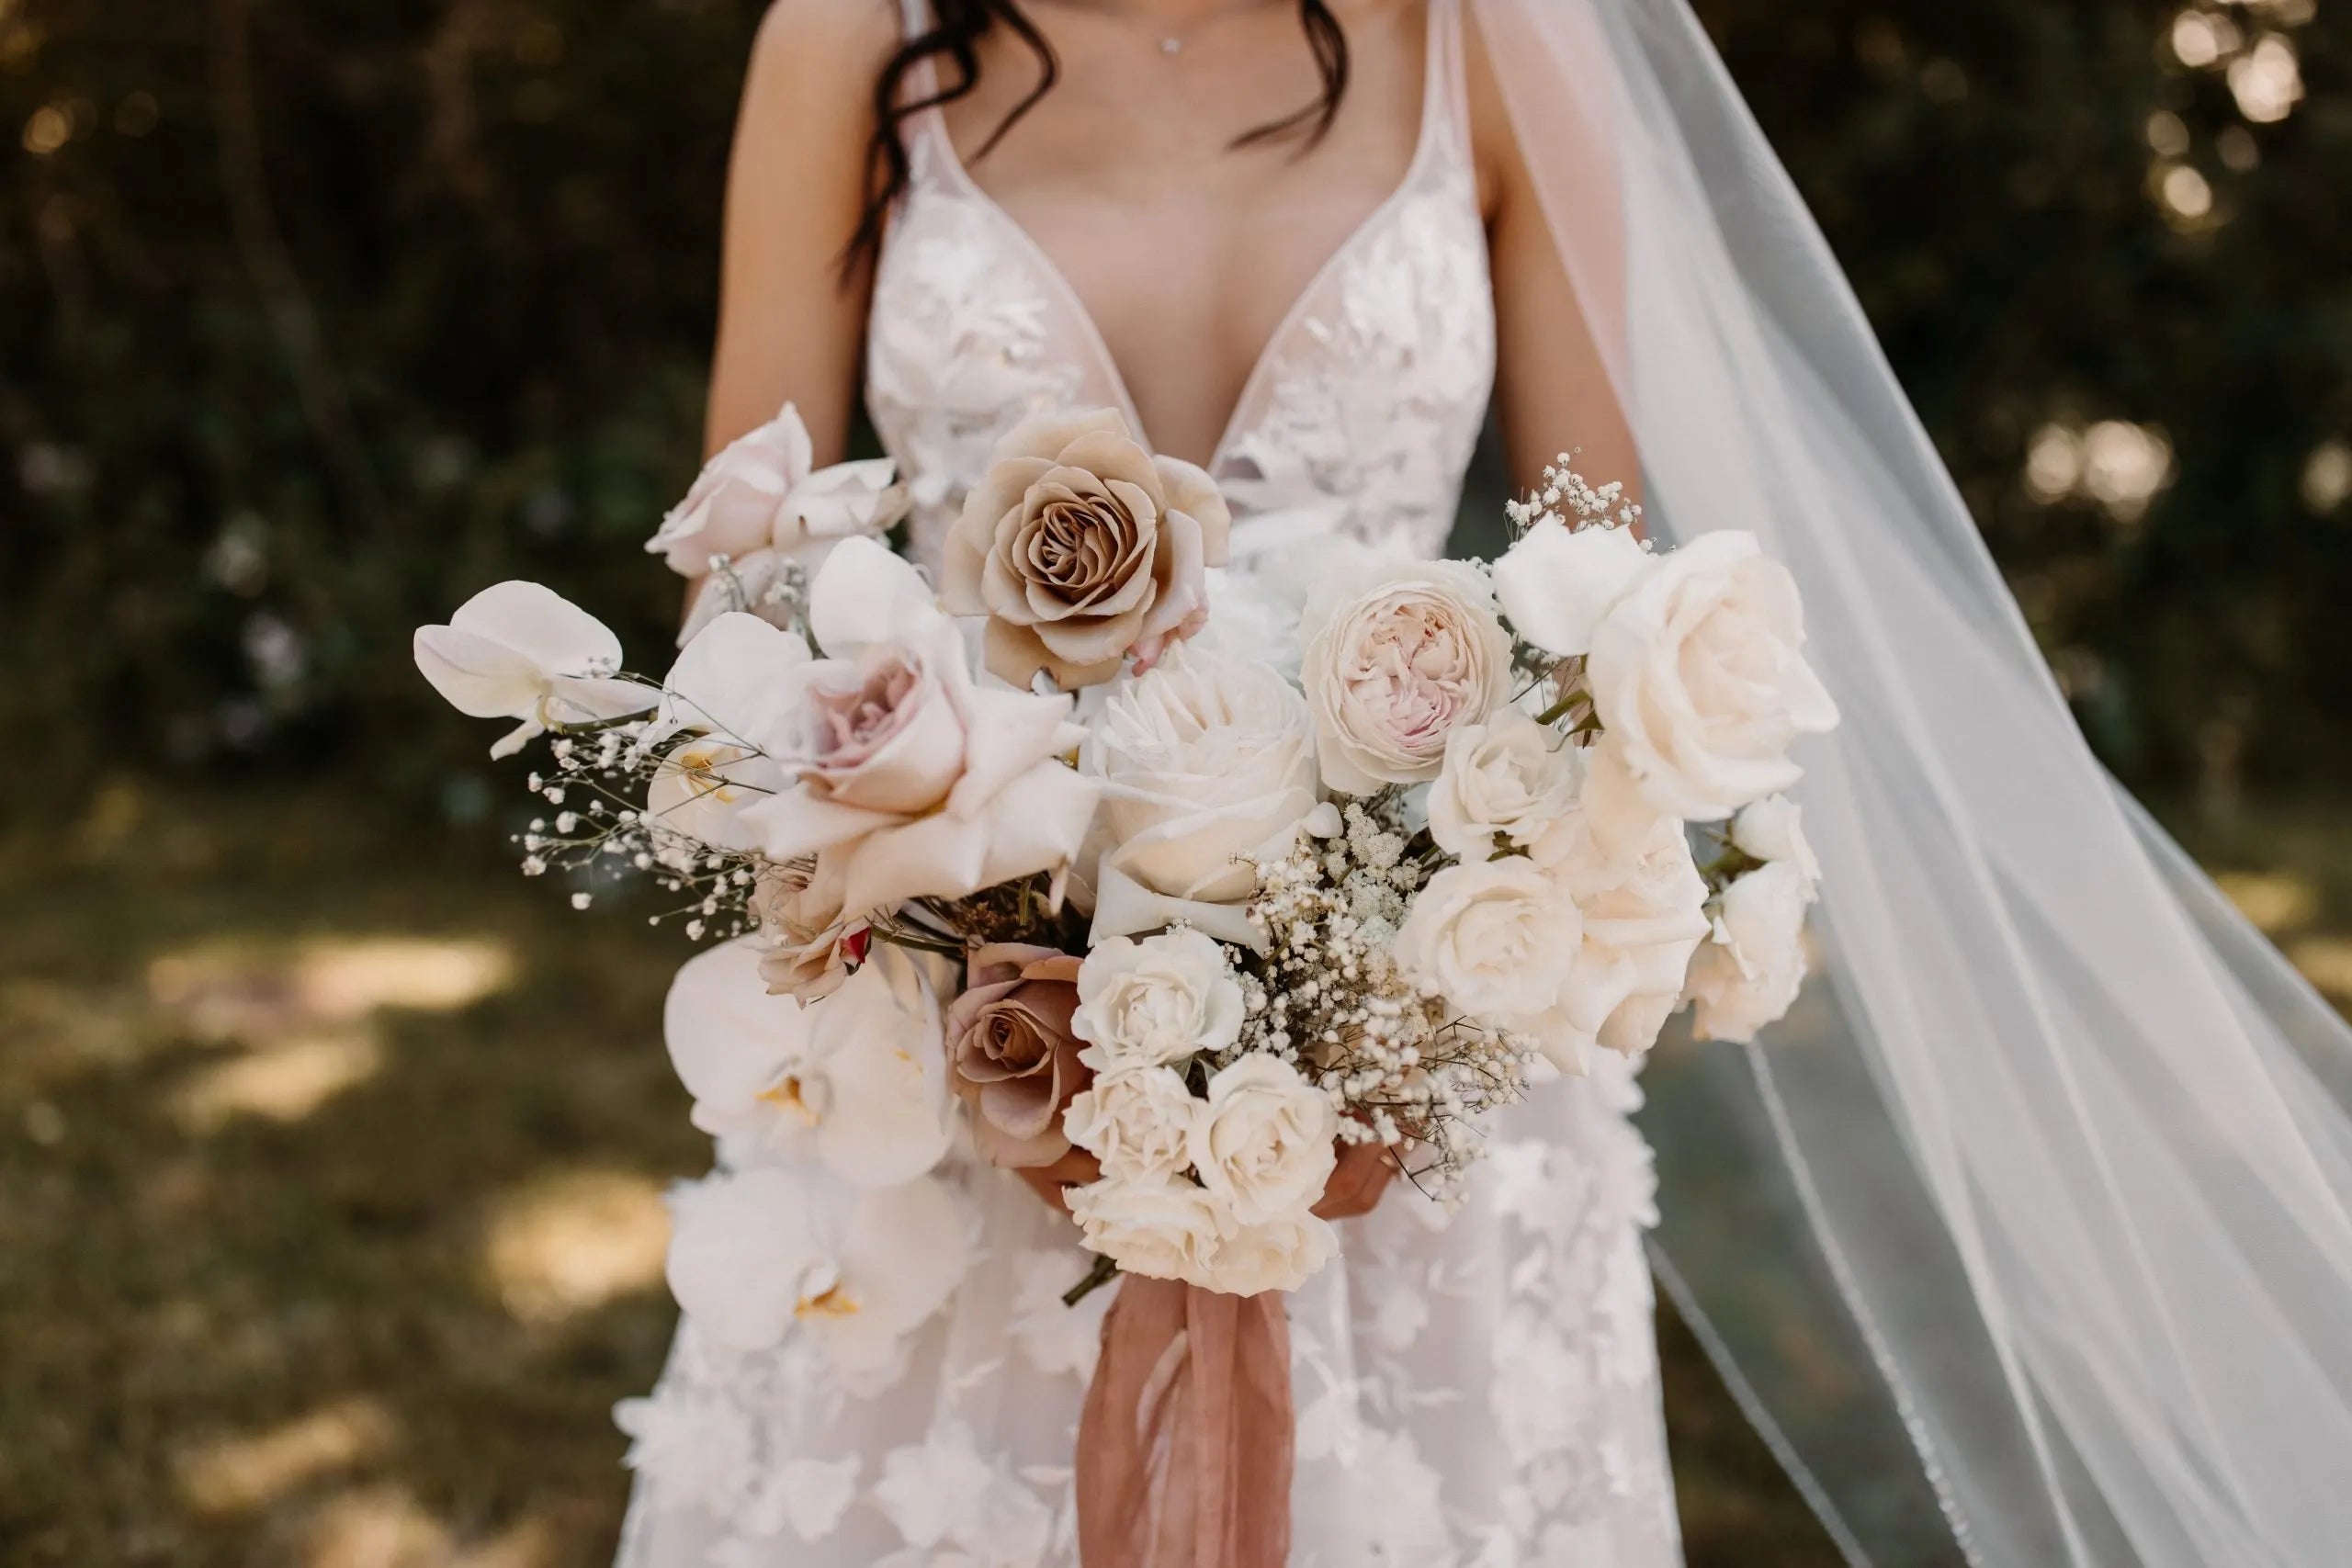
pixel 1101 1274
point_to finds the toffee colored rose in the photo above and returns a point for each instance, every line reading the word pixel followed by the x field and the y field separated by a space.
pixel 1081 548
pixel 1011 1052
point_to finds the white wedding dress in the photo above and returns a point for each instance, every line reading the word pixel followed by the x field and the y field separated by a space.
pixel 1480 1391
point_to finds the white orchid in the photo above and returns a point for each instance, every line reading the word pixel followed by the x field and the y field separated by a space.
pixel 764 505
pixel 857 1081
pixel 728 690
pixel 761 1254
pixel 518 650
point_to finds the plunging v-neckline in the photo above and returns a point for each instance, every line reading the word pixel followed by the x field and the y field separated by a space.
pixel 1051 273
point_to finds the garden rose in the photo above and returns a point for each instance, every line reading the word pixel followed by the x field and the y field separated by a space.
pixel 1698 675
pixel 1162 1230
pixel 910 776
pixel 1262 1141
pixel 1398 656
pixel 1747 976
pixel 1080 548
pixel 1496 937
pixel 1139 1123
pixel 1013 1058
pixel 1204 760
pixel 1505 781
pixel 1156 1002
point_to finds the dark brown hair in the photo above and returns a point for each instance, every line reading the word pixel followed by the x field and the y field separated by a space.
pixel 957 27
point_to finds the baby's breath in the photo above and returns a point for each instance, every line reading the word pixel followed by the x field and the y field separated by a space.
pixel 1327 996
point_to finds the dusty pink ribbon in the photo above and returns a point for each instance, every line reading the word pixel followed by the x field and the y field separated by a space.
pixel 1184 1450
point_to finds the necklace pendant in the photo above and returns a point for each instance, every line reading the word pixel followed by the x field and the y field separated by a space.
pixel 1172 45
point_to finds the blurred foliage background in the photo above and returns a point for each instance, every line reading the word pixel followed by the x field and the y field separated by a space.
pixel 316 317
pixel 330 1156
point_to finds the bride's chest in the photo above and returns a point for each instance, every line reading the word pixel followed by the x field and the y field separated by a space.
pixel 1358 398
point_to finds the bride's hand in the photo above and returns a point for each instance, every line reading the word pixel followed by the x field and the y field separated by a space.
pixel 1361 1175
pixel 1050 1182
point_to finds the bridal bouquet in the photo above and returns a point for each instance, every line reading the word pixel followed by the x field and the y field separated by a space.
pixel 1082 857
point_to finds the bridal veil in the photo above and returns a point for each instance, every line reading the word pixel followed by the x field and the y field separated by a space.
pixel 2061 1144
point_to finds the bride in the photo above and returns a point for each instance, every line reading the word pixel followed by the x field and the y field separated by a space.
pixel 2054 1148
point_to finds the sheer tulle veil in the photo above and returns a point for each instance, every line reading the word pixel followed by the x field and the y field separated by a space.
pixel 2049 1259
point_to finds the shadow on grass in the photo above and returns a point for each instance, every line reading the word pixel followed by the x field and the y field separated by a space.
pixel 331 1160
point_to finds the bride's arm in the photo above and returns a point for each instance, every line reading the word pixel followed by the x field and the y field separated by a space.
pixel 789 323
pixel 1552 382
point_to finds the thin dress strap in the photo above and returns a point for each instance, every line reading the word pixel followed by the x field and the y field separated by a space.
pixel 1448 88
pixel 919 129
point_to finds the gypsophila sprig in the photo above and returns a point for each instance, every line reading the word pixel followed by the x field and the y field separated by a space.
pixel 1326 995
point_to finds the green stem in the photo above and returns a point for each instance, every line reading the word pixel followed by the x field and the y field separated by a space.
pixel 1101 1274
pixel 1560 710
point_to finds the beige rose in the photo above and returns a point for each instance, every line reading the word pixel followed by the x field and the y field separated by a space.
pixel 1281 1255
pixel 1080 548
pixel 1137 1122
pixel 1012 1056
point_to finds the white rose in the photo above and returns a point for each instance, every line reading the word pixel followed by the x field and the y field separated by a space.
pixel 1555 584
pixel 1204 760
pixel 1645 914
pixel 1749 976
pixel 1698 676
pixel 1137 1122
pixel 1507 777
pixel 1280 1256
pixel 1155 1002
pixel 1163 1230
pixel 1496 937
pixel 1400 655
pixel 1773 830
pixel 1261 1142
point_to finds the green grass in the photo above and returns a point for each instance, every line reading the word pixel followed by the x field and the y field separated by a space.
pixel 331 1154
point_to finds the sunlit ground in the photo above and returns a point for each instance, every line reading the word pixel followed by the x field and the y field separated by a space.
pixel 331 1167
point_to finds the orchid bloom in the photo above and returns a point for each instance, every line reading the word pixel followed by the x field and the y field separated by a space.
pixel 856 1080
pixel 761 1254
pixel 727 692
pixel 763 503
pixel 518 650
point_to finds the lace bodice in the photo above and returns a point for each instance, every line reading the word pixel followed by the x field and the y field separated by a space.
pixel 1358 418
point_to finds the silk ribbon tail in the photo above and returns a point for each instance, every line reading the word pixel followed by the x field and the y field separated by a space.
pixel 1185 1448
